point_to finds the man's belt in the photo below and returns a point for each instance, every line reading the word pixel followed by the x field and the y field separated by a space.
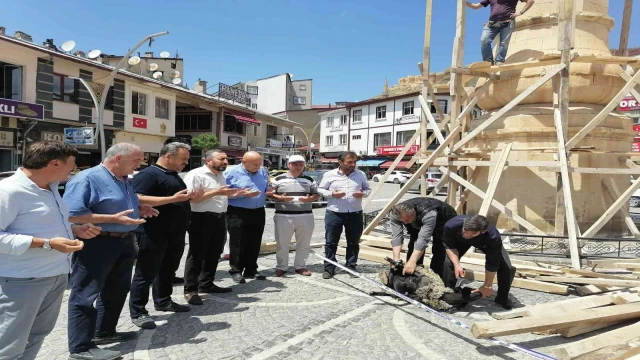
pixel 115 234
pixel 211 213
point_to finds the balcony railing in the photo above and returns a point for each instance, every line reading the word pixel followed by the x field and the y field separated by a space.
pixel 232 93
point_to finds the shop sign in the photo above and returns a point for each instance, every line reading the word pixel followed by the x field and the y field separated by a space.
pixel 407 119
pixel 58 136
pixel 6 138
pixel 235 141
pixel 79 136
pixel 263 150
pixel 395 150
pixel 19 109
pixel 274 143
pixel 629 104
pixel 289 141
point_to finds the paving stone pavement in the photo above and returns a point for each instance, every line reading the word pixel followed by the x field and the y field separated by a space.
pixel 298 317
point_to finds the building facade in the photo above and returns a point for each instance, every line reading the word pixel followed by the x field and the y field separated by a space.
pixel 279 93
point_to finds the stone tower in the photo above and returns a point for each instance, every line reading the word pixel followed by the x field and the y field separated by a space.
pixel 532 191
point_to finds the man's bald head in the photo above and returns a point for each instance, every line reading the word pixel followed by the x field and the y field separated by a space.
pixel 252 161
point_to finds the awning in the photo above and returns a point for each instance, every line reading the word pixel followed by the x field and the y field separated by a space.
pixel 242 117
pixel 401 165
pixel 327 160
pixel 369 162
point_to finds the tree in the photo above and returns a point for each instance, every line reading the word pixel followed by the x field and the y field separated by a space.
pixel 205 142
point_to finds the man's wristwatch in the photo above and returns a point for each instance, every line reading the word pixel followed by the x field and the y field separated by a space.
pixel 487 287
pixel 47 244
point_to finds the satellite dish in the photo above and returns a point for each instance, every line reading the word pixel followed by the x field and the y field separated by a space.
pixel 94 54
pixel 68 45
pixel 134 60
pixel 153 67
pixel 164 54
pixel 157 74
pixel 174 74
pixel 176 81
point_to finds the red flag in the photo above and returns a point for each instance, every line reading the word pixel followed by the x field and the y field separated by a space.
pixel 140 123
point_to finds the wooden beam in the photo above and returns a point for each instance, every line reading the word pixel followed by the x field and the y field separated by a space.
pixel 426 109
pixel 493 182
pixel 590 281
pixel 443 181
pixel 627 77
pixel 605 112
pixel 487 329
pixel 593 274
pixel 614 337
pixel 423 168
pixel 572 304
pixel 588 290
pixel 614 193
pixel 485 67
pixel 620 202
pixel 464 71
pixel 624 30
pixel 608 171
pixel 392 167
pixel 583 329
pixel 489 163
pixel 508 212
pixel 507 107
pixel 522 283
pixel 465 194
pixel 607 60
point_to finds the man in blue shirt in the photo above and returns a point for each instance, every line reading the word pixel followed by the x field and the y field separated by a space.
pixel 103 196
pixel 36 240
pixel 246 216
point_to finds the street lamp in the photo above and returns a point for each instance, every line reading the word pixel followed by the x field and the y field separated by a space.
pixel 100 99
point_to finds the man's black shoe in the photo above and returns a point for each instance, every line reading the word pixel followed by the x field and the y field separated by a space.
pixel 144 321
pixel 115 337
pixel 505 303
pixel 177 280
pixel 173 307
pixel 352 268
pixel 214 289
pixel 96 354
pixel 327 274
pixel 237 278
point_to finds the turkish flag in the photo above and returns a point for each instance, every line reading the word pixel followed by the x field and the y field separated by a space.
pixel 140 123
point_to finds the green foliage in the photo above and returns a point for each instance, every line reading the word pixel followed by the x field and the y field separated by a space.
pixel 205 142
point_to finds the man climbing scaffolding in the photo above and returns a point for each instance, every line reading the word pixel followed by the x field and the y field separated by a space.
pixel 502 20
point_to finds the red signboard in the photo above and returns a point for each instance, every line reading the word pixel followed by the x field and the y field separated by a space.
pixel 140 123
pixel 628 104
pixel 395 150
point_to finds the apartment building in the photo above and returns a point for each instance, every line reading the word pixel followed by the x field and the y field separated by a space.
pixel 279 93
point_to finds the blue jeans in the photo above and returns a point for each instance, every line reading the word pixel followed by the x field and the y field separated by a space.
pixel 488 34
pixel 333 224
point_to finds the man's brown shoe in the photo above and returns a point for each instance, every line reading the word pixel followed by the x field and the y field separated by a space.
pixel 304 272
pixel 193 298
pixel 279 273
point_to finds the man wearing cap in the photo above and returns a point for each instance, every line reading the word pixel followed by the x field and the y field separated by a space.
pixel 293 194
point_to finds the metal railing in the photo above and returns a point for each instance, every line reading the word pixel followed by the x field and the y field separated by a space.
pixel 549 245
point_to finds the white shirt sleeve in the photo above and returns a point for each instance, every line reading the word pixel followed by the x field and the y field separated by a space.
pixel 14 244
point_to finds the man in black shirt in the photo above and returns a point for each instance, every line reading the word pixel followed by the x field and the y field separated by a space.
pixel 464 231
pixel 161 239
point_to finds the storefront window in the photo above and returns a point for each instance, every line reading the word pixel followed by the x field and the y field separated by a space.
pixel 162 108
pixel 231 125
pixel 402 137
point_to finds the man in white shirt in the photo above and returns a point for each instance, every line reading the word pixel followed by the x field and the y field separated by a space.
pixel 208 229
pixel 36 240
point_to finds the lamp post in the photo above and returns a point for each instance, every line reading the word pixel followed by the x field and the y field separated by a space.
pixel 100 99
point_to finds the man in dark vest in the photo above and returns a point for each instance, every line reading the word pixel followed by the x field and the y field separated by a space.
pixel 423 218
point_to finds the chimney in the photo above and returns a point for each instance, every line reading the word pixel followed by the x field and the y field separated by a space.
pixel 2 30
pixel 148 54
pixel 23 36
pixel 385 92
pixel 200 86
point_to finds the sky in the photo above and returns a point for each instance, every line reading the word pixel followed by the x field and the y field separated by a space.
pixel 348 47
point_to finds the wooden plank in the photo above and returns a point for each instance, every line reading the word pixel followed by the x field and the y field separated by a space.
pixel 465 194
pixel 392 167
pixel 486 329
pixel 443 181
pixel 633 91
pixel 423 168
pixel 475 73
pixel 426 109
pixel 604 113
pixel 592 274
pixel 611 262
pixel 493 182
pixel 591 344
pixel 590 281
pixel 626 298
pixel 609 60
pixel 489 163
pixel 537 269
pixel 507 107
pixel 588 290
pixel 508 212
pixel 627 265
pixel 485 67
pixel 614 193
pixel 624 30
pixel 623 200
pixel 523 283
pixel 583 329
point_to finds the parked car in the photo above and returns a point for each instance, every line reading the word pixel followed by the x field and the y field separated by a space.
pixel 634 201
pixel 317 176
pixel 396 176
pixel 433 178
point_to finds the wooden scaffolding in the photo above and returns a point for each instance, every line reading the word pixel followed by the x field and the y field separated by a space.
pixel 452 161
